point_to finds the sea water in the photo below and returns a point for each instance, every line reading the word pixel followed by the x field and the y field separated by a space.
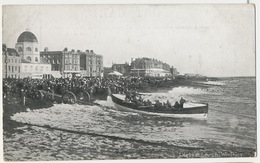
pixel 82 132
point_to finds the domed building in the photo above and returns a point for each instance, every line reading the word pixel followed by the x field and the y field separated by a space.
pixel 27 47
pixel 32 65
pixel 24 61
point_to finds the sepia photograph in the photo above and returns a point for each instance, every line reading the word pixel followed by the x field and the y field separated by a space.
pixel 128 81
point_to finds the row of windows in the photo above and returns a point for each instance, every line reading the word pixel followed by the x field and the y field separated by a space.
pixel 66 56
pixel 30 59
pixel 71 56
pixel 50 56
pixel 14 61
pixel 47 56
pixel 98 62
pixel 68 61
pixel 13 76
pixel 14 69
pixel 98 59
pixel 37 68
pixel 54 61
pixel 20 49
pixel 71 68
pixel 97 69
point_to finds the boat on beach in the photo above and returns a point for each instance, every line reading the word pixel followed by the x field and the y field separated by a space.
pixel 189 110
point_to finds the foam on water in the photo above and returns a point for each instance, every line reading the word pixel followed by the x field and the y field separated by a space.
pixel 98 120
pixel 215 83
pixel 107 103
pixel 175 94
pixel 180 91
pixel 110 122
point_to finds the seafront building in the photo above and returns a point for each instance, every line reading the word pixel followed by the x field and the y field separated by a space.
pixel 91 64
pixel 25 61
pixel 74 63
pixel 71 63
pixel 55 58
pixel 148 67
pixel 63 63
pixel 11 63
pixel 122 68
pixel 144 67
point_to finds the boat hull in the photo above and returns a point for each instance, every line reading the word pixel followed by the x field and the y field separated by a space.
pixel 191 112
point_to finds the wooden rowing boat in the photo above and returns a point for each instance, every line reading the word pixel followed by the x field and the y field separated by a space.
pixel 189 110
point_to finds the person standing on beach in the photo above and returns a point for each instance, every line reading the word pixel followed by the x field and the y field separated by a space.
pixel 23 93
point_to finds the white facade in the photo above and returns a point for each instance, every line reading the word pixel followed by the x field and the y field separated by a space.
pixel 28 51
pixel 11 66
pixel 157 73
pixel 29 69
pixel 27 47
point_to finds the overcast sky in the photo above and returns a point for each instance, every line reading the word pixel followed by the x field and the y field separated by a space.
pixel 213 40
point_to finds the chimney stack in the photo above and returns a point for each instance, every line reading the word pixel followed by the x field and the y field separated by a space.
pixel 4 47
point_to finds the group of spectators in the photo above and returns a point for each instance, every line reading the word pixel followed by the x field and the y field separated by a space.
pixel 95 86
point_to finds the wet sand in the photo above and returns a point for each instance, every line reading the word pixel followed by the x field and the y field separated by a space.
pixel 10 126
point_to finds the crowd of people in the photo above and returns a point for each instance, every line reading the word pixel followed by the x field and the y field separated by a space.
pixel 95 86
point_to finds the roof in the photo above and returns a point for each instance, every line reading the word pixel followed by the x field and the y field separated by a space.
pixel 12 52
pixel 51 52
pixel 90 54
pixel 43 61
pixel 27 36
pixel 25 61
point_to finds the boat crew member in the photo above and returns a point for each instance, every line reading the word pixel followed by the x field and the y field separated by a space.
pixel 176 105
pixel 182 101
pixel 127 96
pixel 149 103
pixel 134 99
pixel 140 99
pixel 158 105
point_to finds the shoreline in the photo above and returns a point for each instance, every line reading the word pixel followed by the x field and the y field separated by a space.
pixel 12 127
pixel 9 109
